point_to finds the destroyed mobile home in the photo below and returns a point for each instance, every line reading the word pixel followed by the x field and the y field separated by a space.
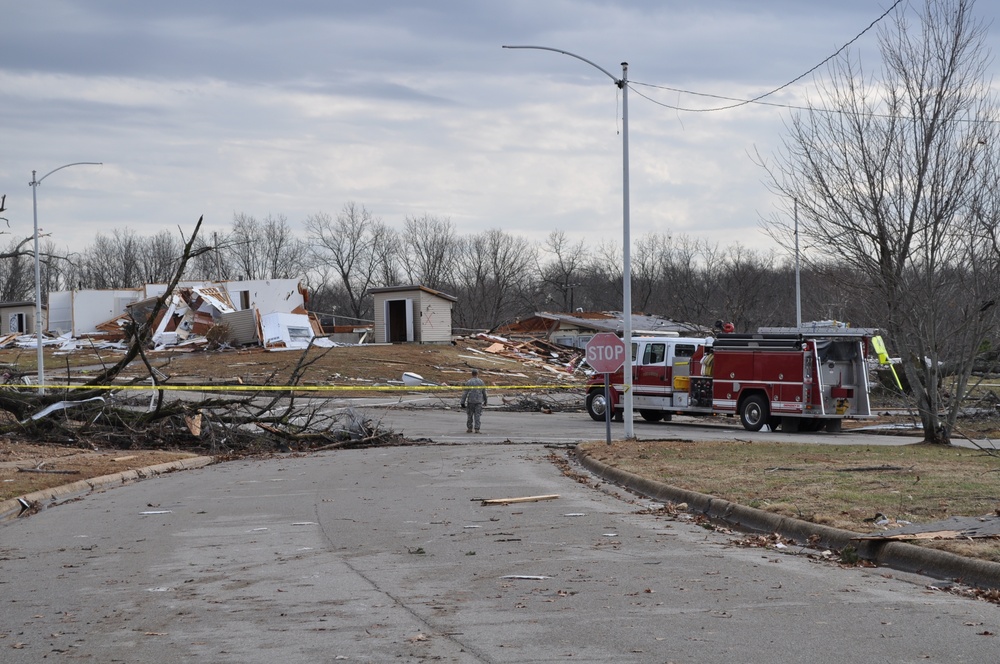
pixel 271 313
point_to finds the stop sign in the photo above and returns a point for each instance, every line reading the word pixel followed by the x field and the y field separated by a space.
pixel 605 352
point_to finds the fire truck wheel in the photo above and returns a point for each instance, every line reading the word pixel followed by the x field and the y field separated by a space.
pixel 754 413
pixel 651 415
pixel 596 405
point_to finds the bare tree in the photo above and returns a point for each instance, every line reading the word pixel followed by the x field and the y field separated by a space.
pixel 358 248
pixel 264 249
pixel 494 273
pixel 158 255
pixel 746 286
pixel 429 245
pixel 562 274
pixel 387 251
pixel 17 280
pixel 651 258
pixel 691 282
pixel 604 277
pixel 111 261
pixel 891 183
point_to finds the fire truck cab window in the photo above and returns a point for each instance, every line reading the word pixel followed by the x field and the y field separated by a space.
pixel 655 354
pixel 683 350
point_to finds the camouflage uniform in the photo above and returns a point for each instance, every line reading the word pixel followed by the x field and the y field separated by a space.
pixel 473 400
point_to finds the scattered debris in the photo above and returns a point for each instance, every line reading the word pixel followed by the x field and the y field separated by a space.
pixel 561 360
pixel 28 507
pixel 956 527
pixel 52 471
pixel 524 499
pixel 411 379
pixel 62 405
pixel 763 541
pixel 525 577
pixel 193 423
pixel 531 403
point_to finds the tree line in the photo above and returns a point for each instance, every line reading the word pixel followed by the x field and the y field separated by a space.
pixel 496 276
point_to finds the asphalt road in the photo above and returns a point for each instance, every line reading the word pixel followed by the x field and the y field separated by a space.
pixel 432 418
pixel 389 555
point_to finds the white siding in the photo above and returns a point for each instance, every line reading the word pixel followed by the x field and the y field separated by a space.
pixel 434 319
pixel 9 315
pixel 431 315
pixel 379 328
pixel 88 308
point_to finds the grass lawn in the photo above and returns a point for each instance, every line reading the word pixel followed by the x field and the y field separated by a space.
pixel 843 486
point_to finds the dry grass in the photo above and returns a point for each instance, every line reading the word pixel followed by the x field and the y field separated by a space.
pixel 835 485
pixel 72 464
pixel 353 367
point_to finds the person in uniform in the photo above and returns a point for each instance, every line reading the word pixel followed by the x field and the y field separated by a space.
pixel 473 399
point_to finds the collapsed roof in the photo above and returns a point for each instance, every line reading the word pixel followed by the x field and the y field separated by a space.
pixel 270 312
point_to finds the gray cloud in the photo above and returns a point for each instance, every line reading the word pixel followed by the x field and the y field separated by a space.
pixel 406 107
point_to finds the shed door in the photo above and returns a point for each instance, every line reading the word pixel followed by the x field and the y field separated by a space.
pixel 398 320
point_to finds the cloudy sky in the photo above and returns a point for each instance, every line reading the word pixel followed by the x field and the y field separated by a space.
pixel 406 107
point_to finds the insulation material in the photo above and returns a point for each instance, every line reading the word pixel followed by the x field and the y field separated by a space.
pixel 215 298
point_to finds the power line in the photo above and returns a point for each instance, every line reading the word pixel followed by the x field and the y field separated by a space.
pixel 757 99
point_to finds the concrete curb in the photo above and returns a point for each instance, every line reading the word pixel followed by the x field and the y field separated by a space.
pixel 895 555
pixel 9 509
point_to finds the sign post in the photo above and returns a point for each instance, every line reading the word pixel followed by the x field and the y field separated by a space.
pixel 606 354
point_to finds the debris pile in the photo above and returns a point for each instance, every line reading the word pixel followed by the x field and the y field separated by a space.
pixel 195 317
pixel 562 361
pixel 62 343
pixel 533 403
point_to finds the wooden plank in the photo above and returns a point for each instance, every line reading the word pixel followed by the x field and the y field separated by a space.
pixel 523 499
pixel 492 360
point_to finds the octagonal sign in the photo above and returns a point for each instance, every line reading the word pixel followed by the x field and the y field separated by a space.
pixel 605 352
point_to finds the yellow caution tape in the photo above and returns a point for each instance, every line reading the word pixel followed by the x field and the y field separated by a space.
pixel 291 388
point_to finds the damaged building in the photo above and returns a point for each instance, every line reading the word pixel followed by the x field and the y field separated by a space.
pixel 576 329
pixel 268 312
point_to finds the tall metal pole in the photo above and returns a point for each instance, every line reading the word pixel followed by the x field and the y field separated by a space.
pixel 798 283
pixel 38 286
pixel 40 358
pixel 626 251
pixel 627 263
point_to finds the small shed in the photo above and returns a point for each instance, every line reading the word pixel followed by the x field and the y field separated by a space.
pixel 412 314
pixel 18 317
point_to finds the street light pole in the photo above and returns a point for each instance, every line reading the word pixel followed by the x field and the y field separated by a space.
pixel 35 181
pixel 622 83
pixel 798 279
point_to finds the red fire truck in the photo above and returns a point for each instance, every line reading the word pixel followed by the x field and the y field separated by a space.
pixel 798 381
